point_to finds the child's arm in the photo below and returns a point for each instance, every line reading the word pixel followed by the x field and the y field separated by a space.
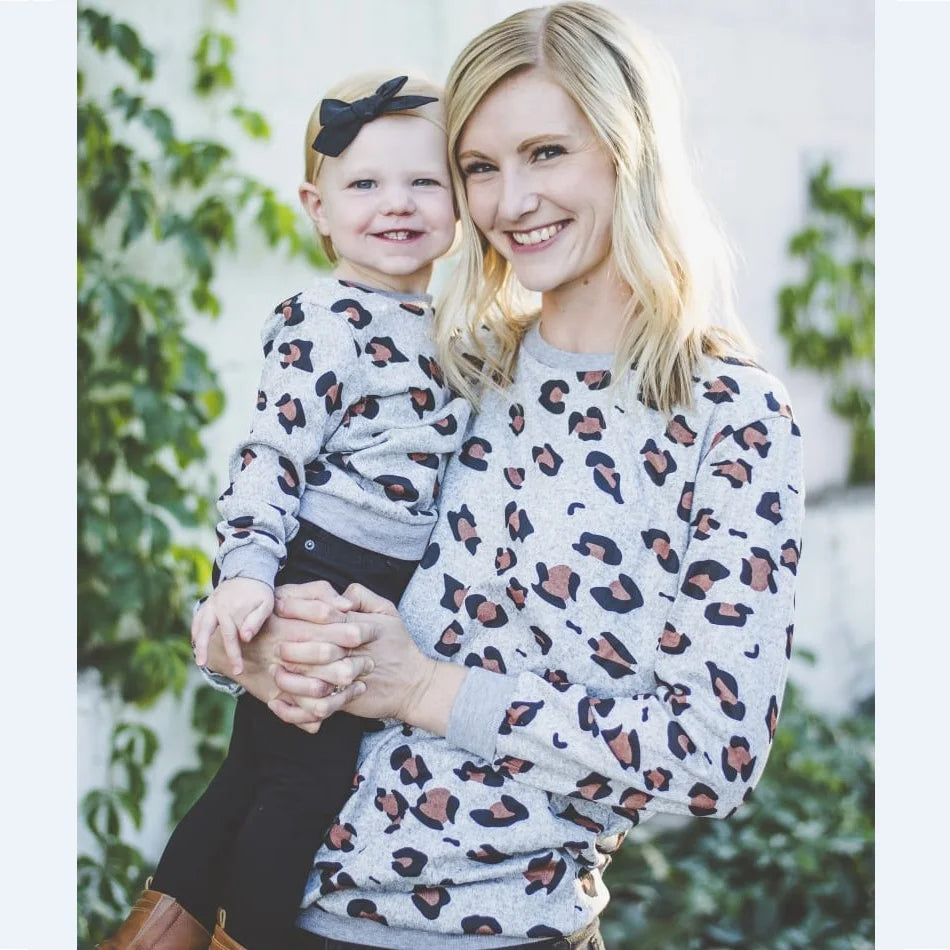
pixel 309 360
pixel 239 607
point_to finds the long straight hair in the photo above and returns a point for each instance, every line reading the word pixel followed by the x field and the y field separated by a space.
pixel 666 245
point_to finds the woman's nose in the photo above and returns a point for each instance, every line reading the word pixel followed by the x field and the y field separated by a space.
pixel 517 197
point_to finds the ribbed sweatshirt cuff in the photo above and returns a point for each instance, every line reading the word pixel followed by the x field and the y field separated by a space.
pixel 479 710
pixel 252 561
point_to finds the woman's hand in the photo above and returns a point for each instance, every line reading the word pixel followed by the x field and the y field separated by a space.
pixel 402 683
pixel 331 667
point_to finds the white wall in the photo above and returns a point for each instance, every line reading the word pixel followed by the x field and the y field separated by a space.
pixel 772 87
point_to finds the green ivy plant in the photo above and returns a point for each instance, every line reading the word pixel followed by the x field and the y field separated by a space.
pixel 828 317
pixel 793 868
pixel 155 210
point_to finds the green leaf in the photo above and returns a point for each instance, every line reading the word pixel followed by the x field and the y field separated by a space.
pixel 127 43
pixel 160 124
pixel 212 61
pixel 253 123
pixel 141 206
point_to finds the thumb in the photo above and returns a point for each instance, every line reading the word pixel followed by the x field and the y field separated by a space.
pixel 366 601
pixel 255 618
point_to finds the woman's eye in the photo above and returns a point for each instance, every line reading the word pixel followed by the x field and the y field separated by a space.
pixel 363 184
pixel 544 152
pixel 477 168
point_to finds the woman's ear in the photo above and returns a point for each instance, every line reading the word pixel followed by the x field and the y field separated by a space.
pixel 313 205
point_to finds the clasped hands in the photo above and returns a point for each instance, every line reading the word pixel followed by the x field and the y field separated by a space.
pixel 319 652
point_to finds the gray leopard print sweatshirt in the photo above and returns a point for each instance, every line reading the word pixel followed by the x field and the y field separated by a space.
pixel 620 585
pixel 351 431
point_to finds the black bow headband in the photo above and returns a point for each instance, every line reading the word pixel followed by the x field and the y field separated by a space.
pixel 342 121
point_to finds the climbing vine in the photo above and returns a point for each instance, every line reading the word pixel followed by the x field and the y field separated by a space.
pixel 827 318
pixel 155 211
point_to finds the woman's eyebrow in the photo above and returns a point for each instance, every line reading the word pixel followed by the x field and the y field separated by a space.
pixel 544 138
pixel 525 146
pixel 471 153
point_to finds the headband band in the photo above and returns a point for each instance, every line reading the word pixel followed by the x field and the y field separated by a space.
pixel 342 121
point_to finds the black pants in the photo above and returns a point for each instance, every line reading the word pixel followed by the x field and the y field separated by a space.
pixel 587 939
pixel 248 843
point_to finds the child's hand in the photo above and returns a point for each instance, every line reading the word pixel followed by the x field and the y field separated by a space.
pixel 238 606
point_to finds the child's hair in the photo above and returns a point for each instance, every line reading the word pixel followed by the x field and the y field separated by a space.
pixel 359 86
pixel 666 246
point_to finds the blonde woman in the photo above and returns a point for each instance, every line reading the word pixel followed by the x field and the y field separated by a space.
pixel 600 627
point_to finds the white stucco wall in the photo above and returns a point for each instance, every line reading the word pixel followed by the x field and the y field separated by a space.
pixel 772 87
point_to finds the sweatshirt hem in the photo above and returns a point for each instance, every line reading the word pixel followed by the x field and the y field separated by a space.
pixel 361 930
pixel 367 528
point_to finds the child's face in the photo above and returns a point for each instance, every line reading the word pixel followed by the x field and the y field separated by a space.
pixel 386 203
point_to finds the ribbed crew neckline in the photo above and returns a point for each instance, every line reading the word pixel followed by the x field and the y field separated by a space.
pixel 539 349
pixel 423 299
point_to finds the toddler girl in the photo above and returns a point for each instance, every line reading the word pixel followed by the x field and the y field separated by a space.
pixel 338 479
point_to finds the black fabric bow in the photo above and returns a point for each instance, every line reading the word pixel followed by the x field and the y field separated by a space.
pixel 342 121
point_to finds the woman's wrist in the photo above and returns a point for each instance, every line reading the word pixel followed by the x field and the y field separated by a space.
pixel 429 700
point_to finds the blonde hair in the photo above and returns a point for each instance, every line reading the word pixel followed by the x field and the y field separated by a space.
pixel 358 86
pixel 666 246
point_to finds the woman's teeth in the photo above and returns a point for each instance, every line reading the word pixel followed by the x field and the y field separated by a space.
pixel 536 236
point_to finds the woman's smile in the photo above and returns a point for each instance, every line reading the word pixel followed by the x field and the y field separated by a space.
pixel 536 238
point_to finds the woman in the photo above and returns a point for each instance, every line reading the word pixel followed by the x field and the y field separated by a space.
pixel 601 625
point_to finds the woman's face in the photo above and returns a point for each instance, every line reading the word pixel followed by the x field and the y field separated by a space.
pixel 540 186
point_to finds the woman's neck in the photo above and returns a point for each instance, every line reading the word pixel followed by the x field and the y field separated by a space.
pixel 586 316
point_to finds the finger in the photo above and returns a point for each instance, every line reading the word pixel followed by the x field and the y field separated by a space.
pixel 348 634
pixel 255 620
pixel 340 673
pixel 301 686
pixel 320 652
pixel 368 601
pixel 314 590
pixel 294 715
pixel 202 628
pixel 303 654
pixel 313 610
pixel 232 647
pixel 302 710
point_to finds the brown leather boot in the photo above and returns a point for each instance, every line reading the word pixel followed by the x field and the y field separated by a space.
pixel 219 939
pixel 158 922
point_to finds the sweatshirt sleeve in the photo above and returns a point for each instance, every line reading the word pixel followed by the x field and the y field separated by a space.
pixel 309 360
pixel 698 741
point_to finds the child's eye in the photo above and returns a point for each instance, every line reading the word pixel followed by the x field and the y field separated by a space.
pixel 477 168
pixel 427 182
pixel 544 152
pixel 363 184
